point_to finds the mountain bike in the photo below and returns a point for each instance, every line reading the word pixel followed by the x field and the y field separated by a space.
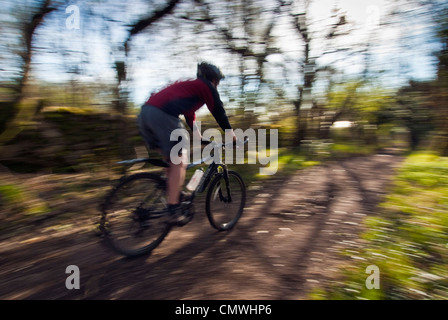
pixel 134 215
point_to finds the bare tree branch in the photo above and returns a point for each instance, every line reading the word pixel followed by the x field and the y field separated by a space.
pixel 144 23
pixel 29 31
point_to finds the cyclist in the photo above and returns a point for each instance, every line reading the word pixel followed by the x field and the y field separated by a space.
pixel 159 116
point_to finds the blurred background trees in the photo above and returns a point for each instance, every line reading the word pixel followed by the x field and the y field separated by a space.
pixel 337 78
pixel 369 74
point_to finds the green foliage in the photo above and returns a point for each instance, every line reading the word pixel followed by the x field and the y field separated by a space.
pixel 67 139
pixel 17 200
pixel 96 96
pixel 287 131
pixel 407 240
pixel 289 160
pixel 347 149
pixel 358 101
pixel 10 194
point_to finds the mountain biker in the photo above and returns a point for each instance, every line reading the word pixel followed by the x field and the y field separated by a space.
pixel 159 116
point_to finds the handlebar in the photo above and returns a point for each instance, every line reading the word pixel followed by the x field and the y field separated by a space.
pixel 236 143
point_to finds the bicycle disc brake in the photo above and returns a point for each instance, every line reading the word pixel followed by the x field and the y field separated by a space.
pixel 222 197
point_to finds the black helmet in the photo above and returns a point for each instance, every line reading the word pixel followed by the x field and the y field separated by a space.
pixel 209 72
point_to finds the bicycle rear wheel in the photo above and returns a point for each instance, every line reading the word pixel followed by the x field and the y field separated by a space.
pixel 225 201
pixel 134 215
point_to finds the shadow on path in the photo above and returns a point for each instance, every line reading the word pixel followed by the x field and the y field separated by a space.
pixel 288 241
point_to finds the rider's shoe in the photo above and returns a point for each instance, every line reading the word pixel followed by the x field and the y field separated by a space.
pixel 177 216
pixel 185 196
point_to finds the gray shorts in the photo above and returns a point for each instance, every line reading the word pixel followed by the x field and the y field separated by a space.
pixel 156 127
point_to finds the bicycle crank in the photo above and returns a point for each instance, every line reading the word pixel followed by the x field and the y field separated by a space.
pixel 188 213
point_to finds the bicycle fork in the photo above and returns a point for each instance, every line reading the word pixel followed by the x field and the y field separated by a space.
pixel 227 199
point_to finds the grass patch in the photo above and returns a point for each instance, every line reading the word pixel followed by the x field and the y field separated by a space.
pixel 15 200
pixel 287 161
pixel 407 240
pixel 351 149
pixel 284 163
pixel 10 194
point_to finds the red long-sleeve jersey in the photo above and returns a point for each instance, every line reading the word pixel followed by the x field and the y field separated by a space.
pixel 186 97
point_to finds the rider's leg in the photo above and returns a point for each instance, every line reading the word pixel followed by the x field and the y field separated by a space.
pixel 175 181
pixel 176 178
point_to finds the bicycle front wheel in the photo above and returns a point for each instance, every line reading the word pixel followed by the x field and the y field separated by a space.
pixel 133 220
pixel 225 201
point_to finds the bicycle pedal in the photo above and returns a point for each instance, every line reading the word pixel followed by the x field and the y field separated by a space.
pixel 179 221
pixel 186 205
pixel 184 221
pixel 185 217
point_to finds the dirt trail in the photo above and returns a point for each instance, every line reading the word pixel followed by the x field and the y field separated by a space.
pixel 288 242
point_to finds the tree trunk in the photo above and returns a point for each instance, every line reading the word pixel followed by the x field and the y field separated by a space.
pixel 28 34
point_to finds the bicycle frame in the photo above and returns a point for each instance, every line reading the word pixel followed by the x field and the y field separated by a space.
pixel 130 222
pixel 212 169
